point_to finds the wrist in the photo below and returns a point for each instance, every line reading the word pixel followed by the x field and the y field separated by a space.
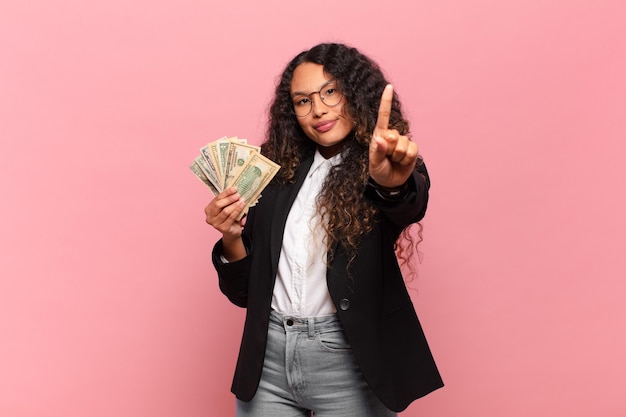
pixel 389 193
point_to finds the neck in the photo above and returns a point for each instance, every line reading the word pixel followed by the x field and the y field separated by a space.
pixel 329 151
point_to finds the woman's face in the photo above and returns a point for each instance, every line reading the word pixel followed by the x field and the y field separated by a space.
pixel 325 125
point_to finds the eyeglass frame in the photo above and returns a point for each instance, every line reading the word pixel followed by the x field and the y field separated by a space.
pixel 319 92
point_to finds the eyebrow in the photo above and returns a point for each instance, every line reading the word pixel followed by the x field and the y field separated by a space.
pixel 302 93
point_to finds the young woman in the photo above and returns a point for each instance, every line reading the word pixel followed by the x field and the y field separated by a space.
pixel 330 328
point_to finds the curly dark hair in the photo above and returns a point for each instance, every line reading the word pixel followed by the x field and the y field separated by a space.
pixel 361 80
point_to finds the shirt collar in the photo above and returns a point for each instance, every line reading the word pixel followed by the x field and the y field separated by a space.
pixel 319 161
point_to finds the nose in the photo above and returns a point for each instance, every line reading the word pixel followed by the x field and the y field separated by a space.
pixel 318 108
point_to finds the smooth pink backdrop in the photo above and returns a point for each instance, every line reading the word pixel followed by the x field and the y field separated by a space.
pixel 108 303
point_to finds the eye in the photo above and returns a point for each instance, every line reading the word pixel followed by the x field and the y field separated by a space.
pixel 330 91
pixel 301 101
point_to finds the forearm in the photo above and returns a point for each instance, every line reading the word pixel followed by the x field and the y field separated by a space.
pixel 233 248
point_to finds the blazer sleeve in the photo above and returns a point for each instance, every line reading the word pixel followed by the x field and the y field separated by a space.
pixel 233 276
pixel 411 206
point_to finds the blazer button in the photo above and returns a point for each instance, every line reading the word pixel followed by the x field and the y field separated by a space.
pixel 344 304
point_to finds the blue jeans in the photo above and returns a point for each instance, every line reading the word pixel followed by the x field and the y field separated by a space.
pixel 309 369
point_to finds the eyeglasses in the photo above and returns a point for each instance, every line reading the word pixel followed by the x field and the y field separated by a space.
pixel 303 103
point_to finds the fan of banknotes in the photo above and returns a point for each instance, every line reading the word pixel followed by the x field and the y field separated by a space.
pixel 232 162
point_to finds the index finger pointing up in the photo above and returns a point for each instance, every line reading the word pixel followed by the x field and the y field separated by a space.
pixel 384 111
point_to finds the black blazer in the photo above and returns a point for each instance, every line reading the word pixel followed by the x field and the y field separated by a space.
pixel 373 304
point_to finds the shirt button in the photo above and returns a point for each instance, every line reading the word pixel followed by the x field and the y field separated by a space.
pixel 344 304
pixel 289 322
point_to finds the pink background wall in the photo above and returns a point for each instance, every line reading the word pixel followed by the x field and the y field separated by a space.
pixel 108 303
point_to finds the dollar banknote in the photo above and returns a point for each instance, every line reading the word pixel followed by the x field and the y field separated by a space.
pixel 231 162
pixel 195 167
pixel 253 177
pixel 237 156
pixel 212 151
pixel 209 172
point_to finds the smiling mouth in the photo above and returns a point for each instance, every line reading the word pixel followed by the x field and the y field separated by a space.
pixel 325 126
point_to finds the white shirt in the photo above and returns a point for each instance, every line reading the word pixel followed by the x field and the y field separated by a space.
pixel 300 288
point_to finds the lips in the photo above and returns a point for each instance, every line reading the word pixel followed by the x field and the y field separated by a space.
pixel 324 126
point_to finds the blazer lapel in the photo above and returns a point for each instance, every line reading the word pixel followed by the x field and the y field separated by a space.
pixel 284 200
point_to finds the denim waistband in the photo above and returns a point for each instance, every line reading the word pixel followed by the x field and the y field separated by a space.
pixel 305 324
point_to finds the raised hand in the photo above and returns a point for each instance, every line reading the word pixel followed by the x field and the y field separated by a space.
pixel 392 156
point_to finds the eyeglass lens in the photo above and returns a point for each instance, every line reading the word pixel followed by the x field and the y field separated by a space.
pixel 330 96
